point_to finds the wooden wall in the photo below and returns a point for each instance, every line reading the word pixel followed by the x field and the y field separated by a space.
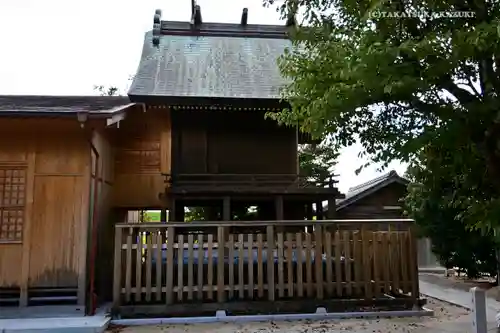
pixel 142 153
pixel 233 142
pixel 372 206
pixel 54 162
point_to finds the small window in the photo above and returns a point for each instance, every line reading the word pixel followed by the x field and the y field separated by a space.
pixel 12 203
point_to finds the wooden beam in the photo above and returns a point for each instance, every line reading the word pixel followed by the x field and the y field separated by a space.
pixel 115 119
pixel 244 16
pixel 297 306
pixel 28 216
pixel 196 18
pixel 403 223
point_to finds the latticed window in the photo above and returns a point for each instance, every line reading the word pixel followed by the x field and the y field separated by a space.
pixel 12 203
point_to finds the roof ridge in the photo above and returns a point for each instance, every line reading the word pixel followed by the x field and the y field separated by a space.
pixel 373 181
pixel 219 29
pixel 359 191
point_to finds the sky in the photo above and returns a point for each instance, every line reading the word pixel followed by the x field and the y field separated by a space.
pixel 61 47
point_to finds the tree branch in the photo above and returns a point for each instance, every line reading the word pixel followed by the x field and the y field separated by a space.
pixel 463 96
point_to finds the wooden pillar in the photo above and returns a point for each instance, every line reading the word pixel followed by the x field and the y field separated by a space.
pixel 279 208
pixel 163 215
pixel 279 212
pixel 172 213
pixel 309 211
pixel 226 209
pixel 331 202
pixel 319 211
pixel 179 211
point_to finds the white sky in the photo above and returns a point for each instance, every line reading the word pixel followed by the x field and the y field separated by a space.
pixel 61 47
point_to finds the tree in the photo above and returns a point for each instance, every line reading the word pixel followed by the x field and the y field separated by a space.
pixel 194 214
pixel 454 242
pixel 107 91
pixel 144 216
pixel 316 161
pixel 402 84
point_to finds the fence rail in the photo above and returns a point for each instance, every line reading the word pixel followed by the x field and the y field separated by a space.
pixel 219 262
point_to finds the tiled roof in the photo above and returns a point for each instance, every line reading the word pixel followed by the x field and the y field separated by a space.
pixel 61 104
pixel 359 191
pixel 210 66
pixel 369 184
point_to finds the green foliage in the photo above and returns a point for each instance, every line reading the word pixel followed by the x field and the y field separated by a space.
pixel 195 214
pixel 316 161
pixel 453 241
pixel 153 216
pixel 399 85
pixel 240 213
pixel 144 216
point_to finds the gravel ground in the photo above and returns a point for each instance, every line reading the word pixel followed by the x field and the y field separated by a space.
pixel 447 319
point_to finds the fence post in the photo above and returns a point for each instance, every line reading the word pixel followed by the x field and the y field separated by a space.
pixel 221 232
pixel 117 267
pixel 479 323
pixel 170 264
pixel 415 285
pixel 270 262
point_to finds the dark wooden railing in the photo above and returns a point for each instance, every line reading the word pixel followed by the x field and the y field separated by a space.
pixel 245 180
pixel 203 262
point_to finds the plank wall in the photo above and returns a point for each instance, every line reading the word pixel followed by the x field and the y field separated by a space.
pixel 231 142
pixel 142 145
pixel 372 206
pixel 56 158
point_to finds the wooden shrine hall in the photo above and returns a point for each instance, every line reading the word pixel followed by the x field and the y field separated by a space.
pixel 192 135
pixel 217 82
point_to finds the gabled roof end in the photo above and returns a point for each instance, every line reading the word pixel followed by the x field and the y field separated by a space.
pixel 358 192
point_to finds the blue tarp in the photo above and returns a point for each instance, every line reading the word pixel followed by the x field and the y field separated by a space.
pixel 236 256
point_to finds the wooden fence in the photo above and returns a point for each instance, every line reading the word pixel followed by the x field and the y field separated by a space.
pixel 222 262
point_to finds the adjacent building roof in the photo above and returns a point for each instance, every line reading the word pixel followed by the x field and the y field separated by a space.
pixel 211 60
pixel 362 190
pixel 53 105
